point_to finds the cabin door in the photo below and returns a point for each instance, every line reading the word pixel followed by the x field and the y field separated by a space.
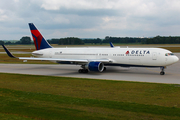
pixel 154 56
pixel 50 54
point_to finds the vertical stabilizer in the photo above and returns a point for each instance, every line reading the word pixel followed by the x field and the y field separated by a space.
pixel 39 41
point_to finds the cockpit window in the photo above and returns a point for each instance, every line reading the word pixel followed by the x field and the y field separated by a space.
pixel 169 54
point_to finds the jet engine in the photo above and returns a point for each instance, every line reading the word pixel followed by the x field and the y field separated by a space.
pixel 96 66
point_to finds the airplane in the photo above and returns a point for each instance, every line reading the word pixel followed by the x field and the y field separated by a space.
pixel 96 59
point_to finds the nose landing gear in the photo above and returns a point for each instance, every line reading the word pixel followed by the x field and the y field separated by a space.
pixel 162 70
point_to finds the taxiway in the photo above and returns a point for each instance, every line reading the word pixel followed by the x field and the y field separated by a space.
pixel 172 75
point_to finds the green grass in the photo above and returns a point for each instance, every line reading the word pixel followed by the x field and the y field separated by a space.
pixel 44 97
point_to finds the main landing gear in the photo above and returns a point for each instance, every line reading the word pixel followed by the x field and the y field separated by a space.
pixel 162 70
pixel 83 71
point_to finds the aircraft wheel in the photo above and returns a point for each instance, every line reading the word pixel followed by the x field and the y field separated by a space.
pixel 162 73
pixel 86 71
pixel 83 71
pixel 80 70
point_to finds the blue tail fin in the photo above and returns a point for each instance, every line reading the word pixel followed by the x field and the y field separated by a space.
pixel 39 41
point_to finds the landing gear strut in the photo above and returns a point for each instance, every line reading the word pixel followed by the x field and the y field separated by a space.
pixel 162 70
pixel 83 70
pixel 104 69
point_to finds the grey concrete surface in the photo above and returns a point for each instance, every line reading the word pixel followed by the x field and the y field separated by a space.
pixel 113 73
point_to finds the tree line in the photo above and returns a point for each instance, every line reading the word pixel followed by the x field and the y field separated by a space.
pixel 120 40
pixel 67 41
pixel 24 41
pixel 163 40
pixel 125 40
pixel 107 39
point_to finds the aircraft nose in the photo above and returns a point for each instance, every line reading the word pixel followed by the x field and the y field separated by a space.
pixel 176 59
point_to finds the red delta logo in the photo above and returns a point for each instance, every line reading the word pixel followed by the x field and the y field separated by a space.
pixel 127 52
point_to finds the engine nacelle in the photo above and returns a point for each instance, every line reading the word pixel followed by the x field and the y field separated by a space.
pixel 96 66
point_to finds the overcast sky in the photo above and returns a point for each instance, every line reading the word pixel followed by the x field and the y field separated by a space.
pixel 90 18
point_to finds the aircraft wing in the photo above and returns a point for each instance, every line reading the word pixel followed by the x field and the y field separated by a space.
pixel 67 60
pixel 57 59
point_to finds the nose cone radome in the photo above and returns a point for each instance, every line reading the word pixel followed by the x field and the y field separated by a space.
pixel 176 59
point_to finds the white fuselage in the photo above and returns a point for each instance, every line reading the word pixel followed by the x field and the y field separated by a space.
pixel 152 57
